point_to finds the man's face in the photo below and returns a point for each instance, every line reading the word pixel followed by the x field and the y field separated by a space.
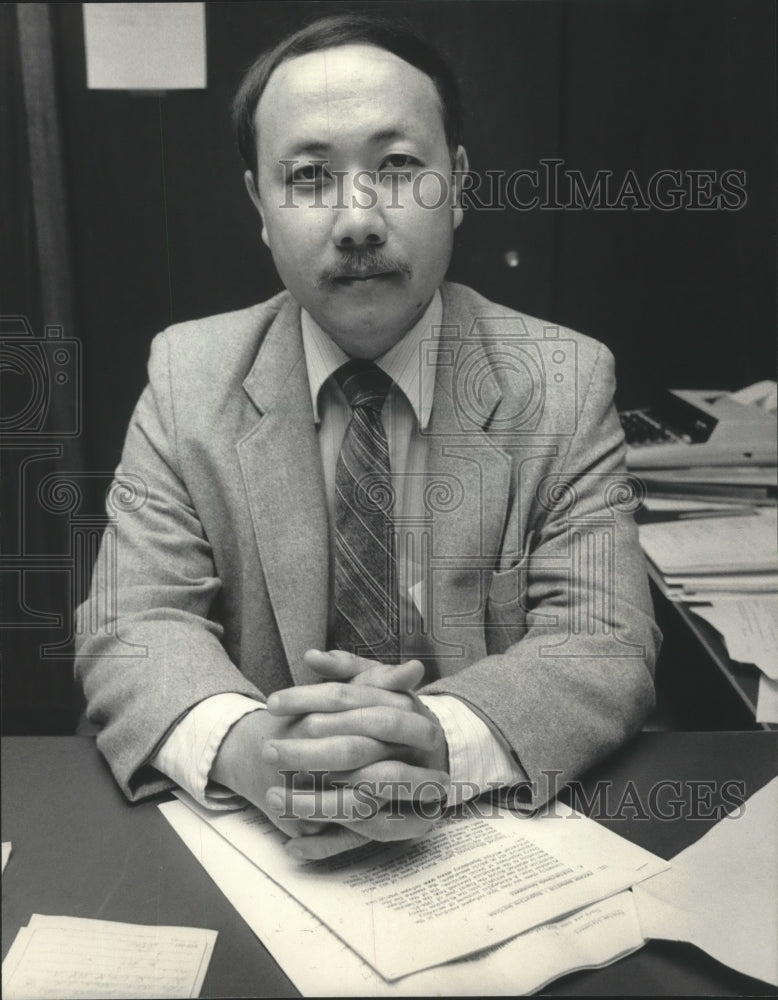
pixel 371 235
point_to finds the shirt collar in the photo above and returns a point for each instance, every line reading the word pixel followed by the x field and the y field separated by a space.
pixel 410 366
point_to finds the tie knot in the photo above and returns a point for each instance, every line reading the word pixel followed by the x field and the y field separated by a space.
pixel 363 384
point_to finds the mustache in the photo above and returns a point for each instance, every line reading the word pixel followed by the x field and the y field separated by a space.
pixel 360 263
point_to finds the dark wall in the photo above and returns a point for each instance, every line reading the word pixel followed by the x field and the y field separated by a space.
pixel 685 299
pixel 162 229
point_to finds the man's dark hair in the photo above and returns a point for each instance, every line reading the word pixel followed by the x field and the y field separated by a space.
pixel 331 32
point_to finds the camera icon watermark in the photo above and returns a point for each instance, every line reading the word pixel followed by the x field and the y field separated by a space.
pixel 503 375
pixel 42 377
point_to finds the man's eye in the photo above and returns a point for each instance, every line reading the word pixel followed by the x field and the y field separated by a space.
pixel 399 161
pixel 310 173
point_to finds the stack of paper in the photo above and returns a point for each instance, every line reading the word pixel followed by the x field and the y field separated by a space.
pixel 706 556
pixel 726 569
pixel 690 905
pixel 63 957
pixel 735 484
pixel 401 907
pixel 709 528
pixel 749 629
pixel 385 913
pixel 664 509
pixel 720 430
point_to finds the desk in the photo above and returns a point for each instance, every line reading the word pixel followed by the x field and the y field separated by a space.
pixel 80 849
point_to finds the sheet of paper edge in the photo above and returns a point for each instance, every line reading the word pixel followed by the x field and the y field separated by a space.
pixel 354 976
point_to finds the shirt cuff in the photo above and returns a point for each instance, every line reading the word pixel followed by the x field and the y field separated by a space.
pixel 478 759
pixel 188 753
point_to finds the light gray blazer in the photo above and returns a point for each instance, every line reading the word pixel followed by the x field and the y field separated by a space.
pixel 214 575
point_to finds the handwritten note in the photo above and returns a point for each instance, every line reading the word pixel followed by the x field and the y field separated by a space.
pixel 58 958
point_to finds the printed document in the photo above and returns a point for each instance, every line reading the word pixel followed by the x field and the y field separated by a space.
pixel 475 881
pixel 746 544
pixel 719 894
pixel 590 938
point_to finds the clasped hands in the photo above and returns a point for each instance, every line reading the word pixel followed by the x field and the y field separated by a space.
pixel 355 758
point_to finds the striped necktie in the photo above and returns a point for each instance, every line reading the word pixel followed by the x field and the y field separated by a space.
pixel 366 612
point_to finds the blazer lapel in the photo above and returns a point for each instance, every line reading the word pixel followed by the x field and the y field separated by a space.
pixel 469 488
pixel 281 465
pixel 474 474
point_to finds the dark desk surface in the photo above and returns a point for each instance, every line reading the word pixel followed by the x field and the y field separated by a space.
pixel 79 849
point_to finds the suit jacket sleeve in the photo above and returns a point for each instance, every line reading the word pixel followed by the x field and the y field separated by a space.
pixel 570 634
pixel 149 648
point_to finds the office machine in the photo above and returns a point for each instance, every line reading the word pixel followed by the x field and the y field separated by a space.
pixel 688 427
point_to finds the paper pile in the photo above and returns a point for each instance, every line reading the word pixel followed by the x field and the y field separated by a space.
pixel 522 965
pixel 683 903
pixel 726 570
pixel 749 629
pixel 698 557
pixel 753 485
pixel 709 526
pixel 401 906
pixel 385 915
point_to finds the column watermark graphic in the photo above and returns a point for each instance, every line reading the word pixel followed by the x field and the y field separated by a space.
pixel 42 414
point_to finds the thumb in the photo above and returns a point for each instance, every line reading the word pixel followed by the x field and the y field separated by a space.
pixel 339 665
pixel 393 677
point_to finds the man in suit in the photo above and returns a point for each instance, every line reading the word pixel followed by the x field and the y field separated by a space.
pixel 376 480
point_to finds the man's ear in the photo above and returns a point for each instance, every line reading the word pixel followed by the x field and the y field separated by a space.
pixel 256 201
pixel 459 168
